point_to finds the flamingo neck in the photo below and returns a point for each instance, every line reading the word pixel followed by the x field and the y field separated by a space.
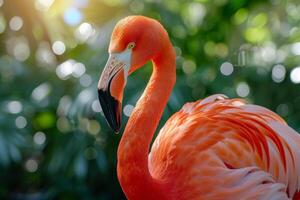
pixel 133 171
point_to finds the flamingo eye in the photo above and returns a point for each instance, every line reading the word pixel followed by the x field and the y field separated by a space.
pixel 131 45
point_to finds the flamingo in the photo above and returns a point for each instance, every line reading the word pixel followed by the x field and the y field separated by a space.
pixel 212 149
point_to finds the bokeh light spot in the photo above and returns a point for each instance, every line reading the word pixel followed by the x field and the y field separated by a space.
pixel 259 20
pixel 278 73
pixel 128 110
pixel 65 69
pixel 20 122
pixel 44 55
pixel 256 34
pixel 41 92
pixel 295 75
pixel 296 48
pixel 39 138
pixel 84 32
pixel 209 48
pixel 58 47
pixel 72 16
pixel 195 14
pixel 78 70
pixel 282 110
pixel 45 120
pixel 96 107
pixel 226 68
pixel 63 125
pixel 221 50
pixel 31 165
pixel 15 23
pixel 85 80
pixel 268 53
pixel 240 16
pixel 64 105
pixel 189 66
pixel 242 89
pixel 14 107
pixel 21 51
pixel 93 127
pixel 86 95
pixel 70 67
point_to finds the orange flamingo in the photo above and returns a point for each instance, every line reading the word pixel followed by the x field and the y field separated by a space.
pixel 212 149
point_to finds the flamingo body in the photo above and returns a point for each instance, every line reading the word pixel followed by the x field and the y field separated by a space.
pixel 229 149
pixel 212 149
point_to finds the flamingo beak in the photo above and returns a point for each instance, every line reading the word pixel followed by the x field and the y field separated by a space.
pixel 111 86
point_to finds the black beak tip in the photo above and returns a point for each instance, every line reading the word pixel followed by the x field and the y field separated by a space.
pixel 114 123
pixel 112 109
pixel 117 130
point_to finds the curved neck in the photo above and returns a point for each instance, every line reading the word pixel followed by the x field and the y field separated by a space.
pixel 133 172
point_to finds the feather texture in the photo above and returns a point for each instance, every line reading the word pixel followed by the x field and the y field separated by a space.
pixel 230 149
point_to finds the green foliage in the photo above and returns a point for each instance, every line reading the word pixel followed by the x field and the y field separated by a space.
pixel 54 142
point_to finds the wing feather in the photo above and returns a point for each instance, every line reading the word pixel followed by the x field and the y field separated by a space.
pixel 219 148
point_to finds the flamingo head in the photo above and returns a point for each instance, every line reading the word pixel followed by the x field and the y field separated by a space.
pixel 134 41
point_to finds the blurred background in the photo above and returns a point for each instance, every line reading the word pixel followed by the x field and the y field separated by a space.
pixel 54 141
